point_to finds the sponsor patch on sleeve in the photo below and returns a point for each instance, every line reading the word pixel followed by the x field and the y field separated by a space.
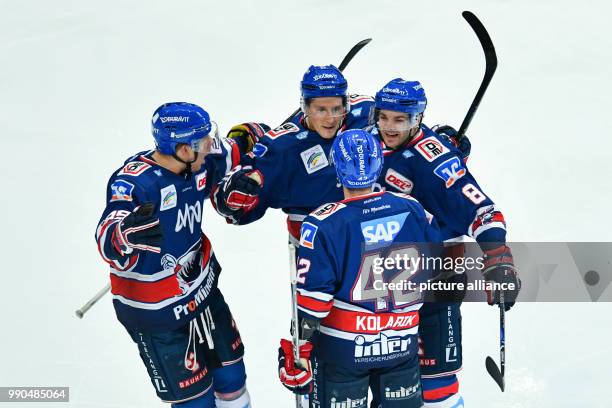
pixel 326 210
pixel 450 170
pixel 121 190
pixel 396 180
pixel 283 129
pixel 307 235
pixel 134 168
pixel 431 148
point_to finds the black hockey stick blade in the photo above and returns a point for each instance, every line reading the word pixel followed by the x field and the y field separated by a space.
pixel 491 66
pixel 345 61
pixel 494 372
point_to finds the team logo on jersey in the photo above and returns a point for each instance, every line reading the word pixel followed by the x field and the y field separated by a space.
pixel 307 235
pixel 191 217
pixel 383 229
pixel 259 149
pixel 326 210
pixel 168 198
pixel 431 148
pixel 121 191
pixel 283 129
pixel 134 168
pixel 201 181
pixel 401 183
pixel 314 159
pixel 450 171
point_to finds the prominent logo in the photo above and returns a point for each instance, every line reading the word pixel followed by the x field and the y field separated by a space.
pixel 168 198
pixel 348 403
pixel 383 229
pixel 401 183
pixel 450 171
pixel 134 168
pixel 189 217
pixel 326 210
pixel 382 346
pixel 283 130
pixel 307 235
pixel 259 149
pixel 402 393
pixel 121 191
pixel 431 148
pixel 314 159
pixel 201 181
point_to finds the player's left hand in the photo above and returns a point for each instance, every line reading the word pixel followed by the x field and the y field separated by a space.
pixel 247 134
pixel 450 134
pixel 499 268
pixel 296 378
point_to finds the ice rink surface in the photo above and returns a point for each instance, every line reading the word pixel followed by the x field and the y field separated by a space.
pixel 80 79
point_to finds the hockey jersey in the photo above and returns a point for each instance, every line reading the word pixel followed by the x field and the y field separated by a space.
pixel 364 324
pixel 296 169
pixel 161 291
pixel 431 170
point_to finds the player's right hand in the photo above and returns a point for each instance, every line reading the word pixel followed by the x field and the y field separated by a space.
pixel 246 135
pixel 138 231
pixel 296 378
pixel 239 190
pixel 499 268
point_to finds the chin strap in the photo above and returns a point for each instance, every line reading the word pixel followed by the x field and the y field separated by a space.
pixel 187 172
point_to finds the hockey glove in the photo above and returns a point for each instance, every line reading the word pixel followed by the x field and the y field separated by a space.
pixel 450 134
pixel 246 135
pixel 238 191
pixel 138 231
pixel 499 268
pixel 295 377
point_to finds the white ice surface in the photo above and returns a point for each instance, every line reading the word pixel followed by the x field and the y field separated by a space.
pixel 80 79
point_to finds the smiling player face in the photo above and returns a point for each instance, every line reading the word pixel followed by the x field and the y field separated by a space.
pixel 324 115
pixel 396 128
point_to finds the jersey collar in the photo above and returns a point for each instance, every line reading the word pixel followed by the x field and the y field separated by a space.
pixel 361 197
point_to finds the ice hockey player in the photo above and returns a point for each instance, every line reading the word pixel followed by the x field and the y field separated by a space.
pixel 163 270
pixel 293 158
pixel 422 163
pixel 354 336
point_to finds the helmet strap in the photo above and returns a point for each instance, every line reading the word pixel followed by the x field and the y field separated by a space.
pixel 187 172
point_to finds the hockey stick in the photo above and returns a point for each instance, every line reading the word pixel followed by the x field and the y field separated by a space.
pixel 490 67
pixel 492 369
pixel 294 313
pixel 347 58
pixel 81 312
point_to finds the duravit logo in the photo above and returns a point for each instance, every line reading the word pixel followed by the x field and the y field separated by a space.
pixel 383 229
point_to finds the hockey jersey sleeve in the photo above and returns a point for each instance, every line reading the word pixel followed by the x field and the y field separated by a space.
pixel 317 272
pixel 458 202
pixel 225 155
pixel 123 195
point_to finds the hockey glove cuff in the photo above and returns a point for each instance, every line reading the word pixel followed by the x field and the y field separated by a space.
pixel 138 231
pixel 295 377
pixel 450 134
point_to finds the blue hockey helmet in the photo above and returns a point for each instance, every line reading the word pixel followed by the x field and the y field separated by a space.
pixel 181 123
pixel 321 81
pixel 357 157
pixel 402 96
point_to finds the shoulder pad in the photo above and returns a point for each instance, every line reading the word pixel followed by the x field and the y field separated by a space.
pixel 356 98
pixel 326 210
pixel 283 129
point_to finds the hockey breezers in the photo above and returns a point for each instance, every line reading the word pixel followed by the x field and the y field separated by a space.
pixel 347 58
pixel 490 67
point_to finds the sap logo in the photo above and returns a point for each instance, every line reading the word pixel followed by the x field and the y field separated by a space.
pixel 383 346
pixel 450 171
pixel 307 235
pixel 348 403
pixel 191 216
pixel 395 179
pixel 383 229
pixel 121 190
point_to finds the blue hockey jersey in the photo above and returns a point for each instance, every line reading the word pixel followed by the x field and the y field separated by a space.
pixel 364 324
pixel 431 170
pixel 161 291
pixel 295 165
